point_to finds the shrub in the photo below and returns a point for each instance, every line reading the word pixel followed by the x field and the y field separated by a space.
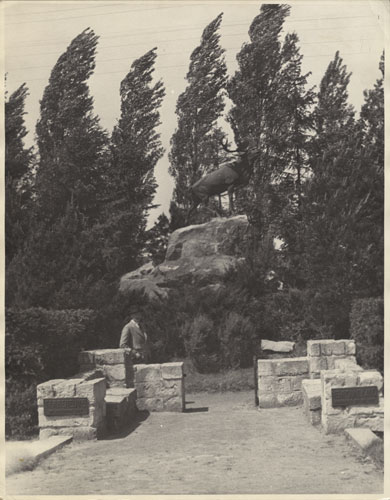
pixel 237 337
pixel 40 345
pixel 201 343
pixel 367 328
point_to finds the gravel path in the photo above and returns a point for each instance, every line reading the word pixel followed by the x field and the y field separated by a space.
pixel 222 445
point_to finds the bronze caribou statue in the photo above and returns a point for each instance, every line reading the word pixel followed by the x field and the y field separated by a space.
pixel 227 178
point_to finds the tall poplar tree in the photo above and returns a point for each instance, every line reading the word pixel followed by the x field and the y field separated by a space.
pixel 18 163
pixel 258 116
pixel 195 145
pixel 136 148
pixel 72 145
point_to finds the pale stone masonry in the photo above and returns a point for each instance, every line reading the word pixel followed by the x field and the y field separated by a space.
pixel 336 420
pixel 89 426
pixel 311 390
pixel 323 354
pixel 160 387
pixel 280 381
pixel 115 364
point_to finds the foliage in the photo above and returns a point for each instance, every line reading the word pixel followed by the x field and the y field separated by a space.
pixel 41 345
pixel 157 239
pixel 195 144
pixel 72 146
pixel 18 162
pixel 367 328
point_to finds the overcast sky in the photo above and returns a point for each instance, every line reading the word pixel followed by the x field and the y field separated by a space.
pixel 37 33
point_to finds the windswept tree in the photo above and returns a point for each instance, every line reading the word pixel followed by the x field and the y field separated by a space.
pixel 258 115
pixel 195 147
pixel 136 149
pixel 72 146
pixel 18 163
pixel 54 269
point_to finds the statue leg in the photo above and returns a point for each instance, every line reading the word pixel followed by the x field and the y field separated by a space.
pixel 231 204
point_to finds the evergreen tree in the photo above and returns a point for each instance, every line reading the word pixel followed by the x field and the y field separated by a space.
pixel 136 149
pixel 258 116
pixel 72 146
pixel 334 152
pixel 296 102
pixel 18 163
pixel 195 145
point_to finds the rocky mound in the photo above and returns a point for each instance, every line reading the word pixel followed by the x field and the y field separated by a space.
pixel 200 254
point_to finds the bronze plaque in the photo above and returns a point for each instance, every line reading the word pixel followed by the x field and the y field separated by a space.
pixel 65 407
pixel 355 396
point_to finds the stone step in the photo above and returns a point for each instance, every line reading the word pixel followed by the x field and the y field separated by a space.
pixel 120 407
pixel 367 442
pixel 311 391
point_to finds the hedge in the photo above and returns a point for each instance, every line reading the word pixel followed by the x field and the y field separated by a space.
pixel 367 328
pixel 40 345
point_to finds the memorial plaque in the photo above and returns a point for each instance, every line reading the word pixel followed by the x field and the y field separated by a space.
pixel 65 407
pixel 355 396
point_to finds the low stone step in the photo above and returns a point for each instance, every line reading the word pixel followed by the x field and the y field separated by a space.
pixel 120 407
pixel 367 442
pixel 311 391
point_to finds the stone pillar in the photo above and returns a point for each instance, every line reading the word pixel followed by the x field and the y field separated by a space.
pixel 74 407
pixel 323 354
pixel 160 387
pixel 336 420
pixel 116 365
pixel 280 381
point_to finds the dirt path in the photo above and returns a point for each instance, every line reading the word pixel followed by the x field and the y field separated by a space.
pixel 224 445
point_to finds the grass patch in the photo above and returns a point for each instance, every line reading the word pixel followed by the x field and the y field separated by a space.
pixel 229 380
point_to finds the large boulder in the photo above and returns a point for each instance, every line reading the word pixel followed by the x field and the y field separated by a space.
pixel 199 254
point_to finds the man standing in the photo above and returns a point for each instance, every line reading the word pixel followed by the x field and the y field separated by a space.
pixel 134 339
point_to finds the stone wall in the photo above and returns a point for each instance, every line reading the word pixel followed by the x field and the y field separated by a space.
pixel 115 364
pixel 66 392
pixel 160 387
pixel 335 420
pixel 323 354
pixel 280 381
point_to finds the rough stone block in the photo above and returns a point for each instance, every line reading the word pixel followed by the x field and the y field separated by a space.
pixel 146 373
pixel 290 399
pixel 371 377
pixel 67 388
pixel 115 374
pixel 172 387
pixel 283 346
pixel 86 358
pixel 110 356
pixel 283 385
pixel 350 348
pixel 338 348
pixel 94 390
pixel 173 404
pixel 296 382
pixel 311 391
pixel 313 348
pixel 366 441
pixel 266 384
pixel 150 404
pixel 314 417
pixel 335 424
pixel 291 366
pixel 149 390
pixel 315 375
pixel 374 422
pixel 326 347
pixel 317 364
pixel 267 401
pixel 172 370
pixel 347 364
pixel 46 389
pixel 265 367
